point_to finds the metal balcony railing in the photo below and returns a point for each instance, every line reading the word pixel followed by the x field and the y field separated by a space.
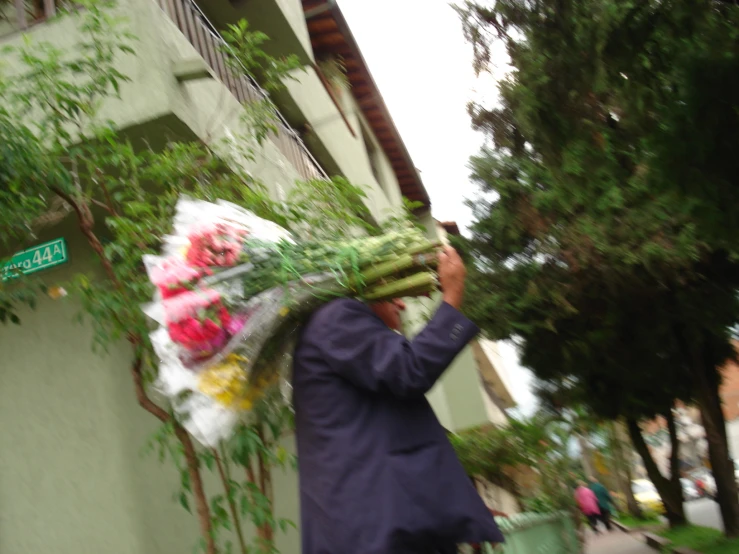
pixel 209 44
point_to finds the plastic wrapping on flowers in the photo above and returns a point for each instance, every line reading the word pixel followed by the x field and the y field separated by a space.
pixel 232 292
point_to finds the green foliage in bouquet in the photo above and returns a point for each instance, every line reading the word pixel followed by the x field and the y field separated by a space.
pixel 57 157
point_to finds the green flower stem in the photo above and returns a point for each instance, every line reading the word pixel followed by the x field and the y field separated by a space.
pixel 424 247
pixel 403 263
pixel 415 285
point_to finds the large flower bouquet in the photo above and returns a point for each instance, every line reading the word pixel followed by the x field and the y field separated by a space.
pixel 232 289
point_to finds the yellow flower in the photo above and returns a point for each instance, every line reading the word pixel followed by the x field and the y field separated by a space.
pixel 284 311
pixel 245 405
pixel 227 383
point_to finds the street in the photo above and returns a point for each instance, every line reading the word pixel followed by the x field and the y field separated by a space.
pixel 616 543
pixel 704 512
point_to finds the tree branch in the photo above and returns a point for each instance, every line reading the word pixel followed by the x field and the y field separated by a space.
pixel 226 480
pixel 675 448
pixel 673 503
pixel 86 224
pixel 104 206
pixel 108 199
pixel 193 468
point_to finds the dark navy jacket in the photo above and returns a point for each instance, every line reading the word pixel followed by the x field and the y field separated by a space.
pixel 377 472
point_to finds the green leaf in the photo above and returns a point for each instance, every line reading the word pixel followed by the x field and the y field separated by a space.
pixel 209 459
pixel 185 480
pixel 245 505
pixel 184 502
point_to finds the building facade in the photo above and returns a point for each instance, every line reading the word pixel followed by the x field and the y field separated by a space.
pixel 730 400
pixel 73 478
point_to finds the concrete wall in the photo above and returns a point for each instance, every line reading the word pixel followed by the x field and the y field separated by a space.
pixel 492 351
pixel 347 150
pixel 210 110
pixel 495 414
pixel 282 20
pixel 73 476
pixel 293 11
pixel 388 181
pixel 8 21
pixel 457 397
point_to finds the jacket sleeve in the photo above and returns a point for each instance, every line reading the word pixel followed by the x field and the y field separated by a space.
pixel 357 345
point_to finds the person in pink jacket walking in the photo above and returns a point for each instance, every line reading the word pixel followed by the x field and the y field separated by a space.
pixel 588 504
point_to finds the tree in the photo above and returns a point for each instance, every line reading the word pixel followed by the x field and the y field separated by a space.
pixel 613 362
pixel 607 236
pixel 56 154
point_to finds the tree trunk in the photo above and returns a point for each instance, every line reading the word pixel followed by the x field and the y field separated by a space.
pixel 706 381
pixel 674 456
pixel 623 468
pixel 672 498
pixel 722 466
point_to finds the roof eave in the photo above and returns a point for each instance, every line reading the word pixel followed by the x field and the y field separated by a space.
pixel 330 7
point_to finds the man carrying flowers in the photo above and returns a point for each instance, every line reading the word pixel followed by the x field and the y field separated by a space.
pixel 377 472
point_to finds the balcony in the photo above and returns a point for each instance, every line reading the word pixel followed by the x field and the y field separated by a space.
pixel 209 44
pixel 205 39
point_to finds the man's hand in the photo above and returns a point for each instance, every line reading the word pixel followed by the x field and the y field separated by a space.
pixel 451 276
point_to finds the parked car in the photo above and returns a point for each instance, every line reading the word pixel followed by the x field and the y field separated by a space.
pixel 690 491
pixel 646 496
pixel 705 476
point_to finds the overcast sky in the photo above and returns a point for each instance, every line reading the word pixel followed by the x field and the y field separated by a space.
pixel 422 65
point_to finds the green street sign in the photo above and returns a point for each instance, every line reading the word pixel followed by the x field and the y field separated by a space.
pixel 43 256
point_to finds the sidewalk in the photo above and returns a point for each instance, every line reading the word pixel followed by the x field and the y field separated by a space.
pixel 616 542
